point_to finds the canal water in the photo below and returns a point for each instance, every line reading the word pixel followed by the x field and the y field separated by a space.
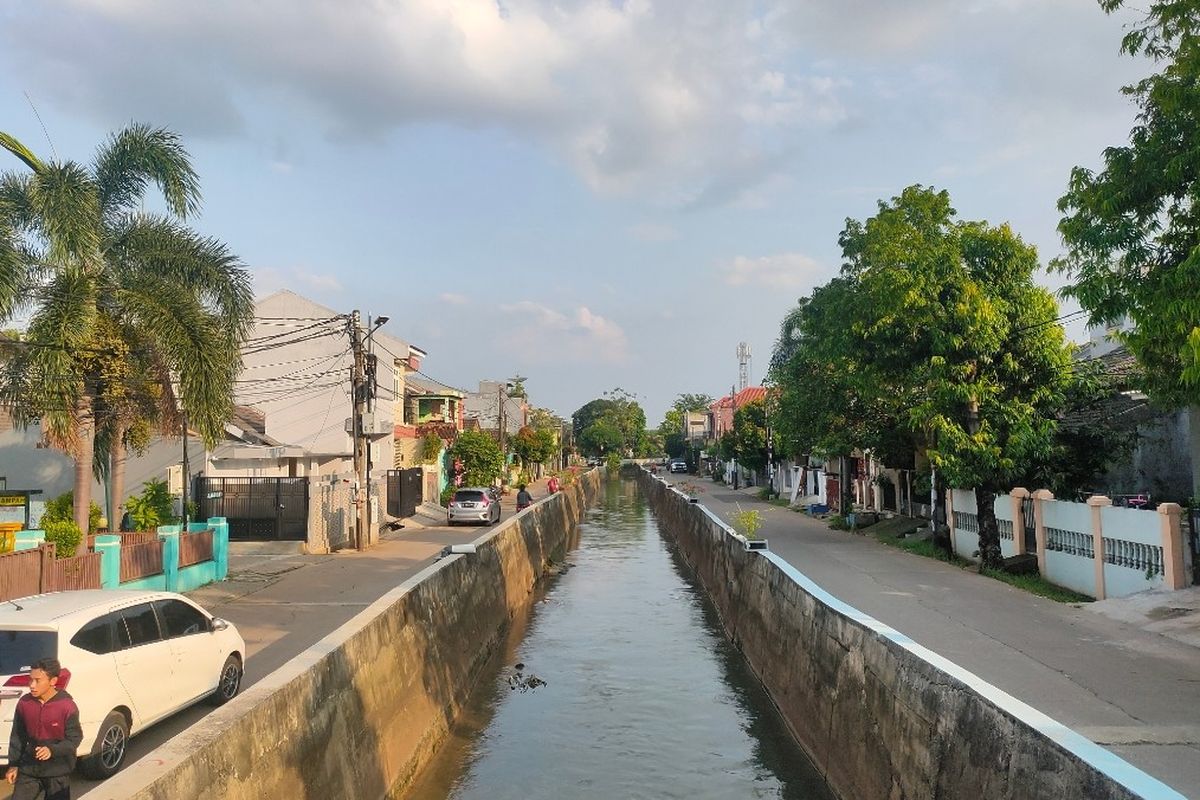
pixel 643 696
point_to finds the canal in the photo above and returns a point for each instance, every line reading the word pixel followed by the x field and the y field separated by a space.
pixel 642 697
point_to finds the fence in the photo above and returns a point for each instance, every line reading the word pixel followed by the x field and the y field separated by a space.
pixel 195 548
pixel 141 560
pixel 36 570
pixel 1094 548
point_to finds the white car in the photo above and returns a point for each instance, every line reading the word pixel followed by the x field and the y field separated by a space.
pixel 134 657
pixel 478 504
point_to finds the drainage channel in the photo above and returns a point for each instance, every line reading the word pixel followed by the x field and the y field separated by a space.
pixel 620 685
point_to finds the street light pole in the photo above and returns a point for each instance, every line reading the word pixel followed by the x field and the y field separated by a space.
pixel 360 461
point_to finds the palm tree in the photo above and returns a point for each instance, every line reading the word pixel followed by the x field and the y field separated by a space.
pixel 134 316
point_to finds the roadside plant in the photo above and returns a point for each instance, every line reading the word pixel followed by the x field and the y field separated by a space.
pixel 65 535
pixel 62 508
pixel 431 447
pixel 152 507
pixel 747 522
pixel 613 463
pixel 481 458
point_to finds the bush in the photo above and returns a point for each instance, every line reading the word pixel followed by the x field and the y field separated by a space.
pixel 62 509
pixel 447 495
pixel 152 507
pixel 613 463
pixel 747 523
pixel 65 535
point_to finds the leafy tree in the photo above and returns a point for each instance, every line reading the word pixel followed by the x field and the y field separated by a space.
pixel 481 458
pixel 62 509
pixel 1133 229
pixel 534 446
pixel 952 321
pixel 670 430
pixel 613 422
pixel 750 435
pixel 151 508
pixel 103 275
pixel 543 419
pixel 431 447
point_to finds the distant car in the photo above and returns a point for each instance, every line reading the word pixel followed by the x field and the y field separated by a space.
pixel 133 658
pixel 678 465
pixel 478 504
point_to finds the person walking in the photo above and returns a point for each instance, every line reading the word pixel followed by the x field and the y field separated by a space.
pixel 524 498
pixel 45 737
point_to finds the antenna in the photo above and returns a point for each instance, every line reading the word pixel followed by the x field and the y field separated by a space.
pixel 45 132
pixel 743 354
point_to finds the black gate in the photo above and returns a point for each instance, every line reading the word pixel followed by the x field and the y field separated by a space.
pixel 1193 537
pixel 256 508
pixel 1030 525
pixel 403 491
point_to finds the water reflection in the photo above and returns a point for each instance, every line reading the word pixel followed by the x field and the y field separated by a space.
pixel 644 697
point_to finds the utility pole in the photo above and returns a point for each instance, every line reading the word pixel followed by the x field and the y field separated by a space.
pixel 500 392
pixel 183 509
pixel 358 395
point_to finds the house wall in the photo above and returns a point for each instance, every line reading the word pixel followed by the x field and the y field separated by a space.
pixel 1160 463
pixel 303 388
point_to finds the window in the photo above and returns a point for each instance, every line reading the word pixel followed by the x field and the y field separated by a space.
pixel 468 497
pixel 141 625
pixel 97 636
pixel 19 649
pixel 180 619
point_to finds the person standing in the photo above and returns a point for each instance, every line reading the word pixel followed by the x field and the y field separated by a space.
pixel 552 485
pixel 524 498
pixel 45 737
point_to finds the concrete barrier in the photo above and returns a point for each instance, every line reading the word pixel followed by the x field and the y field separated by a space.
pixel 360 713
pixel 879 715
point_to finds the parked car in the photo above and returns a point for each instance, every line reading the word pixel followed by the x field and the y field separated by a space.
pixel 133 658
pixel 678 465
pixel 478 504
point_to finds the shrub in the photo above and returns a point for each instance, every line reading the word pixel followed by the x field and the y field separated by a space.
pixel 447 495
pixel 62 509
pixel 65 535
pixel 613 463
pixel 747 523
pixel 152 507
pixel 431 447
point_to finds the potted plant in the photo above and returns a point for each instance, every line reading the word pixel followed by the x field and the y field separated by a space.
pixel 748 524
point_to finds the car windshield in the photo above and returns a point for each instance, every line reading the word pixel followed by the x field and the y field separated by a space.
pixel 19 649
pixel 468 497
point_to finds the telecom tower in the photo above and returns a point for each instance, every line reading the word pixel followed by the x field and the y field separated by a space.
pixel 743 354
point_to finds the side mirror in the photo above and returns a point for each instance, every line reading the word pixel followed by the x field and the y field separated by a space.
pixel 219 624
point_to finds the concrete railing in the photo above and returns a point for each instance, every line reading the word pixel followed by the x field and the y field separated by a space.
pixel 879 715
pixel 362 711
pixel 1093 548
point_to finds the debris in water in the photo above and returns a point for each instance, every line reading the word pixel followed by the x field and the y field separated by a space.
pixel 518 680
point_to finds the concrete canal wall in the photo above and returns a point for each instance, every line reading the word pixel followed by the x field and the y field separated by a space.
pixel 362 711
pixel 879 715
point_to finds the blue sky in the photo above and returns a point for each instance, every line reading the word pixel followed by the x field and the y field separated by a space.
pixel 590 194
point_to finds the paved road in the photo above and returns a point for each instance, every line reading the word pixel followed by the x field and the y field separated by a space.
pixel 283 604
pixel 1135 692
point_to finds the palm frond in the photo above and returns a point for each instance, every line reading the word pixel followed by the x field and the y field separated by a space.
pixel 22 152
pixel 202 265
pixel 63 197
pixel 138 155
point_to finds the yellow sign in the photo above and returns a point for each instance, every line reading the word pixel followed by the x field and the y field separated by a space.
pixel 12 500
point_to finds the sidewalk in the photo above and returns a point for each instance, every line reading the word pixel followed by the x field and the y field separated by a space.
pixel 1134 691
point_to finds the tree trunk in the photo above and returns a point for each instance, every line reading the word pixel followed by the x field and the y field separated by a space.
pixel 85 419
pixel 116 478
pixel 941 525
pixel 989 531
pixel 845 489
pixel 1194 447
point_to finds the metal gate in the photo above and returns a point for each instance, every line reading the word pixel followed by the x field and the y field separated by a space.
pixel 404 491
pixel 256 508
pixel 1030 525
pixel 1193 538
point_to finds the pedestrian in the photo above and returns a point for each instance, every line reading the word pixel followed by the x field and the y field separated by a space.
pixel 45 737
pixel 552 484
pixel 524 498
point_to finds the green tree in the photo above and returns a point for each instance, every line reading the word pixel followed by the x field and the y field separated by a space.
pixel 750 435
pixel 1132 230
pixel 534 446
pixel 952 321
pixel 94 265
pixel 481 458
pixel 613 422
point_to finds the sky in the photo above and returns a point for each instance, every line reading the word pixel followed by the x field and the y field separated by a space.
pixel 589 194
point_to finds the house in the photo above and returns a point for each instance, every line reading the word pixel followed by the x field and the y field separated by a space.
pixel 493 401
pixel 429 406
pixel 721 413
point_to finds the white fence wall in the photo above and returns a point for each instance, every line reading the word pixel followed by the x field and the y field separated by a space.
pixel 1093 548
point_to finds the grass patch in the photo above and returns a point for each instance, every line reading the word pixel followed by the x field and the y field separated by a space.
pixel 1036 584
pixel 921 547
pixel 779 501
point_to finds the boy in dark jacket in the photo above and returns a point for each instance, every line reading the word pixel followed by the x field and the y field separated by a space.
pixel 45 736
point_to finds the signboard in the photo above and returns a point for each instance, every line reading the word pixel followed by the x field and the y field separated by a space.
pixel 12 508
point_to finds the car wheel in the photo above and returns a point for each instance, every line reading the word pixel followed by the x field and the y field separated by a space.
pixel 108 753
pixel 229 683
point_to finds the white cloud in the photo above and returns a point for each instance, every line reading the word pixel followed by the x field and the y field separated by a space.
pixel 540 333
pixel 661 96
pixel 780 271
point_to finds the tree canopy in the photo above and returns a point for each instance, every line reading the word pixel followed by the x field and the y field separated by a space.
pixel 611 423
pixel 480 456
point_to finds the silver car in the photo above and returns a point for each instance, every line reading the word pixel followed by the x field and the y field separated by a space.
pixel 476 504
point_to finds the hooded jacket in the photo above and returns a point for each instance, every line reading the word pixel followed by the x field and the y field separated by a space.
pixel 54 724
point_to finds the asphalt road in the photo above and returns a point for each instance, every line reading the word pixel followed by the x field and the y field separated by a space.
pixel 284 604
